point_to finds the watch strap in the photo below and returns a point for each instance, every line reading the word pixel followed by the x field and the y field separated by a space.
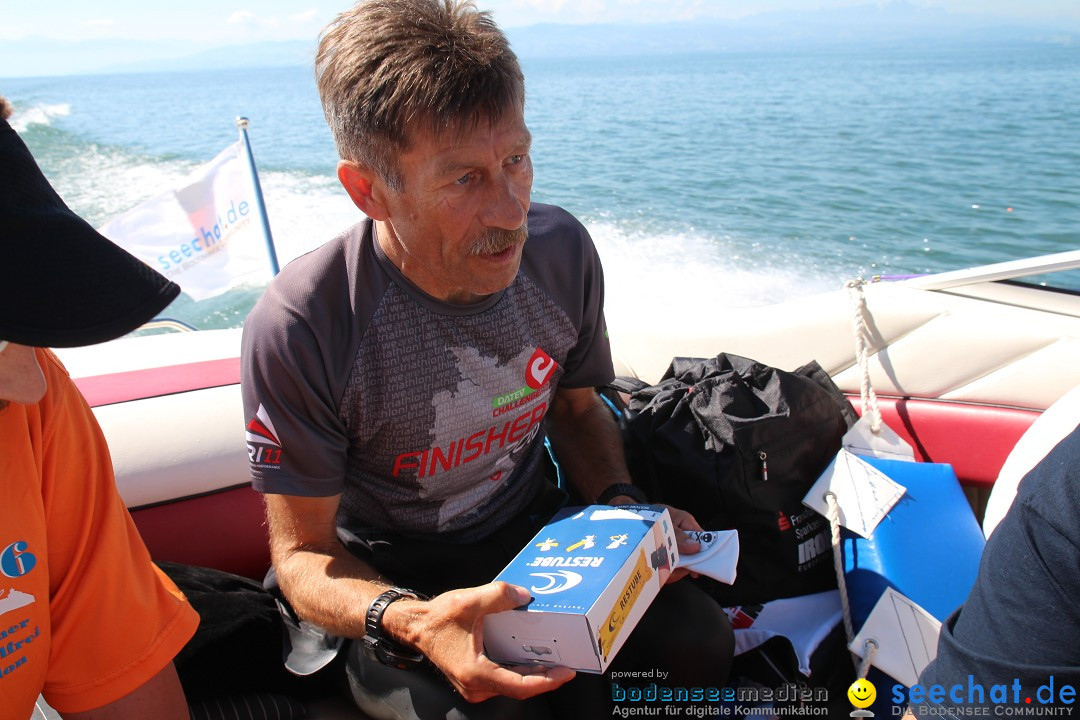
pixel 377 644
pixel 617 489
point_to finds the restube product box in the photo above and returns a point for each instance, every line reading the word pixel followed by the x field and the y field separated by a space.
pixel 592 572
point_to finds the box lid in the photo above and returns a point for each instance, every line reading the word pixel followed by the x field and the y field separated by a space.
pixel 574 558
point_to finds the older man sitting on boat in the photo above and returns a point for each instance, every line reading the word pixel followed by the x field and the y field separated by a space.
pixel 85 618
pixel 400 380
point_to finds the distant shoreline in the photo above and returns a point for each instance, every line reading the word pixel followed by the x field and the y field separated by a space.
pixel 865 28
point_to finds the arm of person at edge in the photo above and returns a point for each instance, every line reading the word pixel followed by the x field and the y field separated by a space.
pixel 159 697
pixel 587 443
pixel 331 587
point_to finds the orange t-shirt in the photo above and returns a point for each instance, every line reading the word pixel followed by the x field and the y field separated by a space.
pixel 85 616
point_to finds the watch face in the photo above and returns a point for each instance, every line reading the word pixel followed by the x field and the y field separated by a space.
pixel 391 656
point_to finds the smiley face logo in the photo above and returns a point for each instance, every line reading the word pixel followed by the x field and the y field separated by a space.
pixel 862 693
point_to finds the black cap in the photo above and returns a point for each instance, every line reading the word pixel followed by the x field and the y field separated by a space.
pixel 62 283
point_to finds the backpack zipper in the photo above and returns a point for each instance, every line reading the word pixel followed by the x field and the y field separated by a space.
pixel 764 458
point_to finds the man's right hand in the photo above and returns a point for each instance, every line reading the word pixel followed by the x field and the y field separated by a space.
pixel 330 587
pixel 449 631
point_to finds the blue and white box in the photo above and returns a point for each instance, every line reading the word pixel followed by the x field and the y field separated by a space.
pixel 592 572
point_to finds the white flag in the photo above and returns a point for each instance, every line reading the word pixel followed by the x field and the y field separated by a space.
pixel 206 235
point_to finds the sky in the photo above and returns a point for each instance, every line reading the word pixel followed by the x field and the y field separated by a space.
pixel 229 22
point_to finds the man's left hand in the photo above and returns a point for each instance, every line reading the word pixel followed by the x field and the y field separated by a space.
pixel 684 522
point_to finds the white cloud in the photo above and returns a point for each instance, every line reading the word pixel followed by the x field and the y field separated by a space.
pixel 527 12
pixel 553 6
pixel 241 17
pixel 264 25
pixel 100 23
pixel 305 17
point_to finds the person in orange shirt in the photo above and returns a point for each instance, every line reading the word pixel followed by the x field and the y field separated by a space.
pixel 86 619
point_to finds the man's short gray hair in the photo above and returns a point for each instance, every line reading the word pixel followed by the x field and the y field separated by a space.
pixel 387 69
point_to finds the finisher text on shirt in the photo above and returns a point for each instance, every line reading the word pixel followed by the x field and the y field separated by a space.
pixel 430 461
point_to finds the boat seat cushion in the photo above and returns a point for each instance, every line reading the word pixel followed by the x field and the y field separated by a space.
pixel 974 439
pixel 1056 422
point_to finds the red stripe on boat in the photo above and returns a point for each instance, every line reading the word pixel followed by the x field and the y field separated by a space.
pixel 155 382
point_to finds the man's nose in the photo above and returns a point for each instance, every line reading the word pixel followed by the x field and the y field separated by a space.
pixel 508 204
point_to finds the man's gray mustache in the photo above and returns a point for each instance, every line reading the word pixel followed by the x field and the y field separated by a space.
pixel 495 240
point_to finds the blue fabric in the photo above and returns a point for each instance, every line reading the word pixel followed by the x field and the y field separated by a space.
pixel 927 548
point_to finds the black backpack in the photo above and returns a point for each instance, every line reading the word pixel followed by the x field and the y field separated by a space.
pixel 738 444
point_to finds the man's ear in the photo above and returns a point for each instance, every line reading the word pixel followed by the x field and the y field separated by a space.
pixel 364 187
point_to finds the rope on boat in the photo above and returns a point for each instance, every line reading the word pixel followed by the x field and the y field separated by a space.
pixel 870 647
pixel 872 411
pixel 838 563
pixel 870 407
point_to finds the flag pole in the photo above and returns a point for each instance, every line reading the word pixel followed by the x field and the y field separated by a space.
pixel 242 125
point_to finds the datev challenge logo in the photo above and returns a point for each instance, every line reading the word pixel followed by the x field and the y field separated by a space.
pixel 538 371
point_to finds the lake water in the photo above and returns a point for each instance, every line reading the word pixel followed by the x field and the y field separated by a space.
pixel 710 181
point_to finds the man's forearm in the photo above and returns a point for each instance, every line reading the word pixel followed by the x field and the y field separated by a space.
pixel 325 583
pixel 330 589
pixel 587 444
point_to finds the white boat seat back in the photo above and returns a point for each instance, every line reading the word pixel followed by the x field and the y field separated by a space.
pixel 1055 423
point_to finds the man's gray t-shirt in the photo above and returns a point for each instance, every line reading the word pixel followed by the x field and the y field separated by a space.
pixel 427 417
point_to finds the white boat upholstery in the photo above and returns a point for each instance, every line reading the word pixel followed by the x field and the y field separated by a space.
pixel 138 353
pixel 1059 420
pixel 175 445
pixel 926 344
pixel 1018 350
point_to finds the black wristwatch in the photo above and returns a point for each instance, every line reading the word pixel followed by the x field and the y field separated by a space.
pixel 621 489
pixel 378 646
